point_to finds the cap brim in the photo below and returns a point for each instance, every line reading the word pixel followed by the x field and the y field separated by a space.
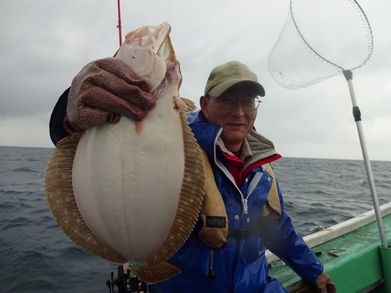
pixel 222 87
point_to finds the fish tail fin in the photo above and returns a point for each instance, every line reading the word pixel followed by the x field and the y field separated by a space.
pixel 159 273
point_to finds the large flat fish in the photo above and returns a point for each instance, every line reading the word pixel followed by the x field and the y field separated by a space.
pixel 132 191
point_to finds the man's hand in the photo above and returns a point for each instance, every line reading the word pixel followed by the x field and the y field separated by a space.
pixel 325 284
pixel 105 89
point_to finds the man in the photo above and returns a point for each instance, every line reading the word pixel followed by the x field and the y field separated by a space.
pixel 240 159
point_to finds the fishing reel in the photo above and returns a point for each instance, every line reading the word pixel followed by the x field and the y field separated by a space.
pixel 126 282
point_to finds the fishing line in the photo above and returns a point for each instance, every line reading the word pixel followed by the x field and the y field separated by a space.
pixel 119 25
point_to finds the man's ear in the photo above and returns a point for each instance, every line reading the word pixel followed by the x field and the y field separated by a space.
pixel 204 106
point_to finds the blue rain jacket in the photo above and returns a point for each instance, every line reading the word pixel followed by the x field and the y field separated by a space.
pixel 241 265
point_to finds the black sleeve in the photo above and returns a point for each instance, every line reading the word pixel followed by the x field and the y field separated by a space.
pixel 56 124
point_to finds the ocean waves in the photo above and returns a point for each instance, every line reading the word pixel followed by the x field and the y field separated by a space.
pixel 36 256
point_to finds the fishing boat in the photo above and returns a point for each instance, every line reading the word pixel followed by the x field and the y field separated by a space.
pixel 350 253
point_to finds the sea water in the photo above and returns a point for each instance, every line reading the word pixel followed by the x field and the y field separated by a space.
pixel 36 256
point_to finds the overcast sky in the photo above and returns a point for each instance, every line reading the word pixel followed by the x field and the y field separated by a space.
pixel 44 43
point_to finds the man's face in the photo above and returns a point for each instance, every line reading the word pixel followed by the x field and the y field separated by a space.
pixel 234 111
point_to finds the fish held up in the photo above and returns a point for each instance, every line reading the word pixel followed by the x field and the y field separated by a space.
pixel 132 191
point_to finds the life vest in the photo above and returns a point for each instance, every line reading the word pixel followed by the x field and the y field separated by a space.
pixel 214 232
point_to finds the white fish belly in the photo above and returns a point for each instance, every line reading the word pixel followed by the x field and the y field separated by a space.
pixel 127 184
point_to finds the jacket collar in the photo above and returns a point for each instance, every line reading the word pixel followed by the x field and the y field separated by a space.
pixel 262 149
pixel 206 135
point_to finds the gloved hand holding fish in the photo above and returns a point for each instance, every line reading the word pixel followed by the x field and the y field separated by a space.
pixel 129 191
pixel 105 89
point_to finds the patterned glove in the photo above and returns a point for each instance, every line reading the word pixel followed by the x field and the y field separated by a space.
pixel 103 91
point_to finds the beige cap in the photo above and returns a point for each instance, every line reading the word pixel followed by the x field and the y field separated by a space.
pixel 228 74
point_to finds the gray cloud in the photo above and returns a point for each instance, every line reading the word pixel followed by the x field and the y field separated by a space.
pixel 43 44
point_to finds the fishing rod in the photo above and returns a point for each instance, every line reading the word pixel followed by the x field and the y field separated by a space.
pixel 125 282
pixel 119 25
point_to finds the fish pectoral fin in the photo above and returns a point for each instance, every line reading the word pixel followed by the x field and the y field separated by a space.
pixel 159 273
pixel 190 106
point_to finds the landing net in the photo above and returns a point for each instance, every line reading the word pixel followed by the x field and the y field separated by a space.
pixel 320 38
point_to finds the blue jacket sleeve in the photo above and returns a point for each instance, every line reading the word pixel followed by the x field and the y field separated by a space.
pixel 56 124
pixel 281 238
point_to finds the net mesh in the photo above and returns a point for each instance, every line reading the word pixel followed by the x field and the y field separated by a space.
pixel 320 38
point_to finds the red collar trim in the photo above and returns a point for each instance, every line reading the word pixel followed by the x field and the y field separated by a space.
pixel 260 163
pixel 230 157
pixel 234 165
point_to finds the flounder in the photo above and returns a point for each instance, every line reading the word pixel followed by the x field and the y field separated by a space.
pixel 132 191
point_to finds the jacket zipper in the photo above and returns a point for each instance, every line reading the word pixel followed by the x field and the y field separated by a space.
pixel 211 271
pixel 229 176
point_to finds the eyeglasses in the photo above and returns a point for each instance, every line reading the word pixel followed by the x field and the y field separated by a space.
pixel 248 103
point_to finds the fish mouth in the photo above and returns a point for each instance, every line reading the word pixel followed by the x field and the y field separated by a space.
pixel 149 53
pixel 157 38
pixel 163 47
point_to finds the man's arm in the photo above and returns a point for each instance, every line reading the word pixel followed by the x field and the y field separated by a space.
pixel 282 239
pixel 56 125
pixel 100 93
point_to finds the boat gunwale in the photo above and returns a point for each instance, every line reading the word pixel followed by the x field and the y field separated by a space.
pixel 339 229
